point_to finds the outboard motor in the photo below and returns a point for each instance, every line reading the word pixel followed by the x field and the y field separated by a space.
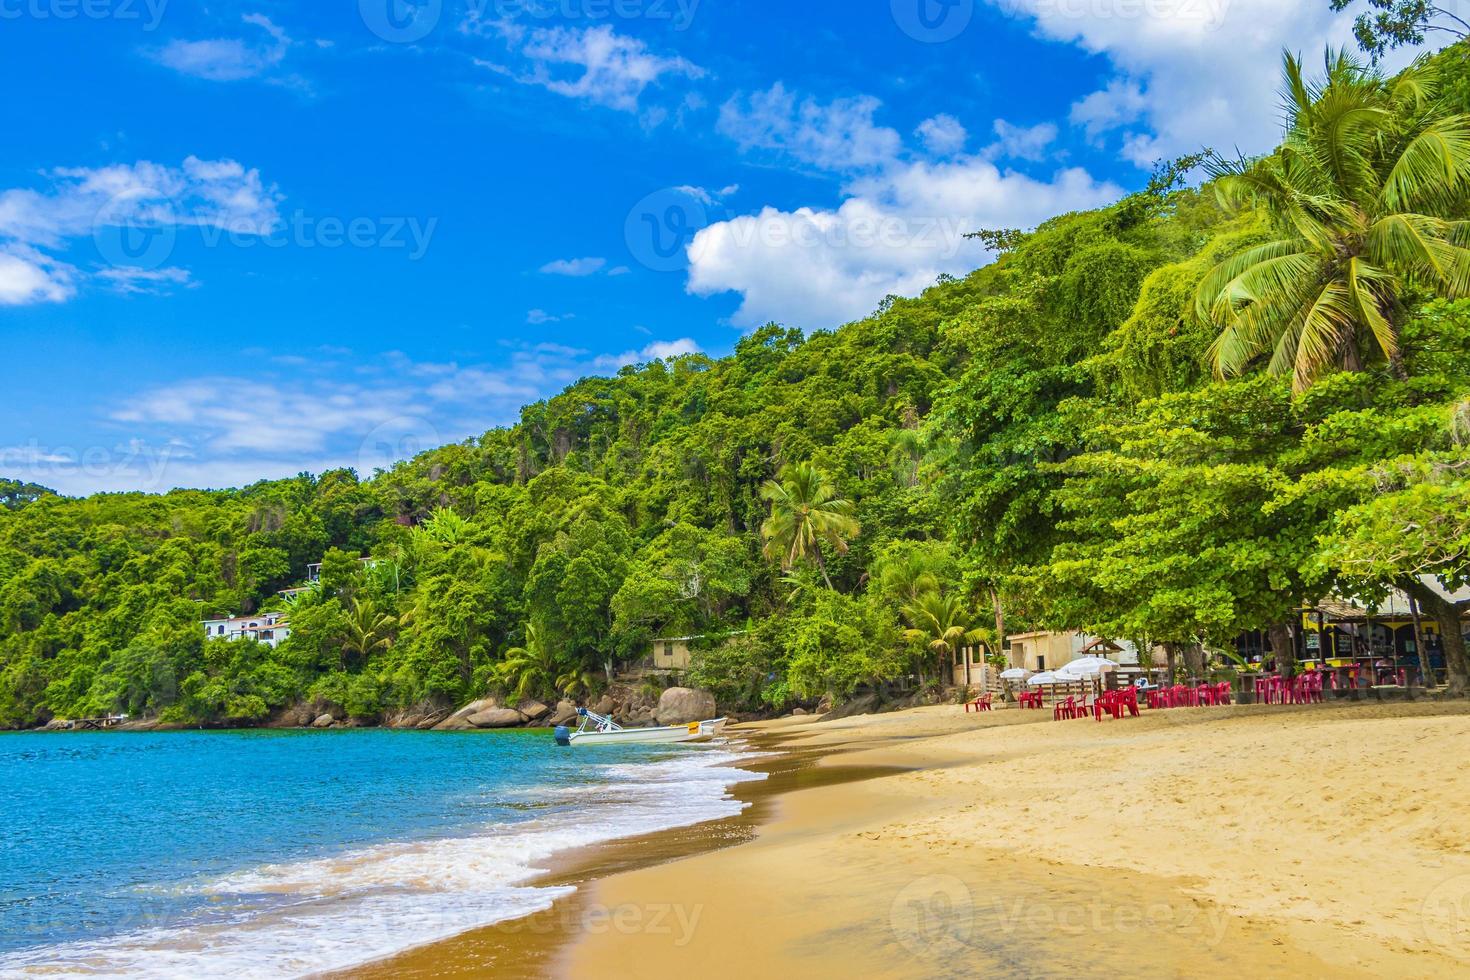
pixel 563 736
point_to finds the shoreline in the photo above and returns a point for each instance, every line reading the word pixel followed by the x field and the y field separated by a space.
pixel 536 943
pixel 1311 841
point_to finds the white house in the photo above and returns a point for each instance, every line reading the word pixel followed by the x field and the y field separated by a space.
pixel 268 628
pixel 314 578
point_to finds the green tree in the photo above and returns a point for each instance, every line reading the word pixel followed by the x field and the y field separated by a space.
pixel 1366 196
pixel 943 625
pixel 1396 23
pixel 534 669
pixel 805 514
pixel 368 630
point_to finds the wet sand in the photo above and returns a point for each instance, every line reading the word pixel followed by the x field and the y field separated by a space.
pixel 1316 841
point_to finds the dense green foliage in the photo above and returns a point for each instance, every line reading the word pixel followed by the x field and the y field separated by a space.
pixel 843 508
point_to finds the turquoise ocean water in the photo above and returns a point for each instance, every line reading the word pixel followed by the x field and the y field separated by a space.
pixel 277 854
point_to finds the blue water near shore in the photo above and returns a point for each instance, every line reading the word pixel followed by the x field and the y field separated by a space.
pixel 286 853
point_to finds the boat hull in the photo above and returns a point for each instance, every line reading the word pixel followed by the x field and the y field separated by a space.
pixel 695 731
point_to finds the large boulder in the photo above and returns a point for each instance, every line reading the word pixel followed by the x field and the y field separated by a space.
pixel 865 705
pixel 681 705
pixel 606 706
pixel 533 710
pixel 640 718
pixel 460 720
pixel 323 720
pixel 565 714
pixel 475 707
pixel 497 718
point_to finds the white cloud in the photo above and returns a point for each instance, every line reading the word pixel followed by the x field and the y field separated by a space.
pixel 942 135
pixel 706 196
pixel 217 193
pixel 130 279
pixel 538 317
pixel 839 136
pixel 1120 103
pixel 26 276
pixel 575 267
pixel 1188 73
pixel 1023 142
pixel 230 430
pixel 895 232
pixel 594 64
pixel 228 59
pixel 901 221
pixel 658 350
pixel 106 203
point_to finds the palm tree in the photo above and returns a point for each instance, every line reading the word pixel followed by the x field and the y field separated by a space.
pixel 531 669
pixel 576 682
pixel 908 576
pixel 806 513
pixel 943 624
pixel 444 527
pixel 367 631
pixel 1365 197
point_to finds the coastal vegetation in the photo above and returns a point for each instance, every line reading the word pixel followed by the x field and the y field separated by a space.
pixel 1174 419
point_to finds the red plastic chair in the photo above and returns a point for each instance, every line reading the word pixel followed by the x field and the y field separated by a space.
pixel 982 703
pixel 1223 693
pixel 1064 709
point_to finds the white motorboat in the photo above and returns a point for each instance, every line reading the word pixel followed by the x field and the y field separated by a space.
pixel 597 730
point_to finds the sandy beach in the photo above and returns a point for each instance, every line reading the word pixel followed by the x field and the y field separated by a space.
pixel 1309 841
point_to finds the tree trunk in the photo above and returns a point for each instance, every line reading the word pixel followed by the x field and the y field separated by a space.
pixel 1284 650
pixel 1000 625
pixel 1194 662
pixel 1426 672
pixel 1447 615
pixel 822 566
pixel 1172 653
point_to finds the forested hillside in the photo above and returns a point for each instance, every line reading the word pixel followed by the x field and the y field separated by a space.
pixel 1171 420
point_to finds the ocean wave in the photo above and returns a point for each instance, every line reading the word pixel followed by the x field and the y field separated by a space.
pixel 330 913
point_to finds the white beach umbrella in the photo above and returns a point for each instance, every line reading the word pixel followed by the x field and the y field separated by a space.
pixel 1045 677
pixel 1015 674
pixel 1090 665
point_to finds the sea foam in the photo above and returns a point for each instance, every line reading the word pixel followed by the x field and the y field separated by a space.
pixel 329 913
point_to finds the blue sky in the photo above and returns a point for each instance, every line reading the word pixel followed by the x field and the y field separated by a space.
pixel 244 239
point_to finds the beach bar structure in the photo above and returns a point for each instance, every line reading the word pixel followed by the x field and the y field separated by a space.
pixel 1382 638
pixel 1041 651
